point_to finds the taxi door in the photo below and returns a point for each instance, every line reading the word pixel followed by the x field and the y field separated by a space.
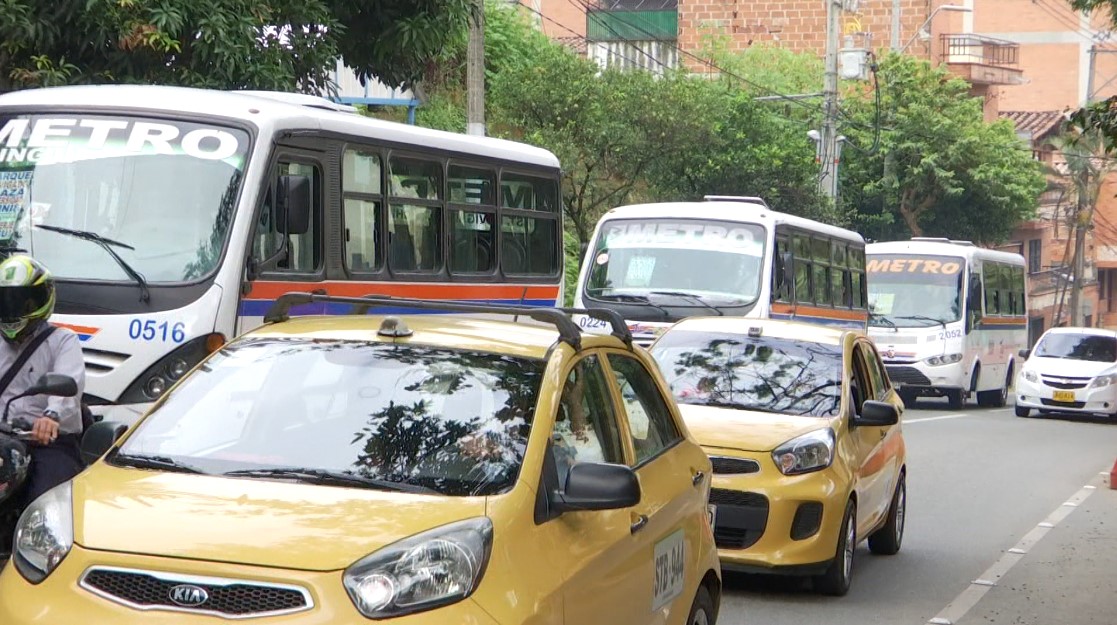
pixel 873 461
pixel 607 563
pixel 670 520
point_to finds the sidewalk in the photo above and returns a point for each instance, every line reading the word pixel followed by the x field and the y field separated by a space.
pixel 1067 578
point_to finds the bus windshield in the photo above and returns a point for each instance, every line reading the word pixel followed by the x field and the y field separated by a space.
pixel 912 290
pixel 160 194
pixel 719 259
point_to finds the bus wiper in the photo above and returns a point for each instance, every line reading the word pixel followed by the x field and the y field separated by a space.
pixel 692 297
pixel 107 244
pixel 334 478
pixel 639 299
pixel 923 318
pixel 879 317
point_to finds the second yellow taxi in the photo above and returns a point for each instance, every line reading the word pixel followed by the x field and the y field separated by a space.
pixel 802 426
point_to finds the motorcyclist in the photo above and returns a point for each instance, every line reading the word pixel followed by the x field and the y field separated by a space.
pixel 26 303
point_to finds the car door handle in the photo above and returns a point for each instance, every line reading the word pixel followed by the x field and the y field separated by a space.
pixel 640 523
pixel 697 478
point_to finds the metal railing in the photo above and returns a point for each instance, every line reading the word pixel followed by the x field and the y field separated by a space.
pixel 977 49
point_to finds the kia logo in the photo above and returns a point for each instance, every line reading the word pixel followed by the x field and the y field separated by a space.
pixel 189 596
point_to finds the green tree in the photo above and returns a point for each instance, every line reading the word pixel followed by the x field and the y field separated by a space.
pixel 225 44
pixel 939 169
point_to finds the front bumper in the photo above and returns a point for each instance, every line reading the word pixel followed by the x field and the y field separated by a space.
pixel 61 599
pixel 767 522
pixel 924 379
pixel 1039 396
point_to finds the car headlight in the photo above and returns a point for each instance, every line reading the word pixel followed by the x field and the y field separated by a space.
pixel 44 534
pixel 428 570
pixel 1103 381
pixel 810 452
pixel 948 359
pixel 1030 375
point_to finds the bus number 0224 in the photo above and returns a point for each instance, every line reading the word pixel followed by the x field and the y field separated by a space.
pixel 150 330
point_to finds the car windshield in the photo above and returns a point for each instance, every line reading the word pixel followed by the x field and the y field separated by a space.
pixel 453 421
pixel 764 374
pixel 163 191
pixel 719 260
pixel 911 290
pixel 1092 347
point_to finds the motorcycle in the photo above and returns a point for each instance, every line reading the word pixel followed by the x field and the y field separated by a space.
pixel 15 454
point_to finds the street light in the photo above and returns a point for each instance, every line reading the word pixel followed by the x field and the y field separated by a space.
pixel 945 7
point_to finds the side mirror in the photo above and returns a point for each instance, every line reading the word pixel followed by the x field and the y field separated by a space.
pixel 293 201
pixel 54 384
pixel 877 413
pixel 1024 353
pixel 99 438
pixel 598 486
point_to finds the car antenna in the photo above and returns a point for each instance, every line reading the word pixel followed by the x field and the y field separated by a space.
pixel 523 296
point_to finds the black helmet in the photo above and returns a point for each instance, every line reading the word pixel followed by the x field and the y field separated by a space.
pixel 15 462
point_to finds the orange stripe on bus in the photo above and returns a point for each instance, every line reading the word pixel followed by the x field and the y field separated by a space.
pixel 272 290
pixel 815 311
pixel 78 329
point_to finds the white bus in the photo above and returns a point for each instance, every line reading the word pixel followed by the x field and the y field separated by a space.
pixel 657 263
pixel 948 317
pixel 172 218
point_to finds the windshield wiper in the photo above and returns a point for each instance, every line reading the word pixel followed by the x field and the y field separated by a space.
pixel 332 478
pixel 639 299
pixel 923 318
pixel 107 244
pixel 879 317
pixel 692 297
pixel 153 462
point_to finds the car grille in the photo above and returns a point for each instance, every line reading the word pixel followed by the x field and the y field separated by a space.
pixel 1063 404
pixel 1065 383
pixel 734 466
pixel 741 518
pixel 907 375
pixel 148 590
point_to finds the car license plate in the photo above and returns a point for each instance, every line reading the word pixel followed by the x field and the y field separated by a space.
pixel 712 513
pixel 1067 396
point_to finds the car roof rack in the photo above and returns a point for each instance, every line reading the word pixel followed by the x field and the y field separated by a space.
pixel 736 198
pixel 569 331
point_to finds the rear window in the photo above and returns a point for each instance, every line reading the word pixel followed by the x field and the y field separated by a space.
pixel 1090 347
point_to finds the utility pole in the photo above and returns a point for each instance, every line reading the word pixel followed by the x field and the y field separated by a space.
pixel 1090 74
pixel 828 140
pixel 895 25
pixel 1081 222
pixel 475 72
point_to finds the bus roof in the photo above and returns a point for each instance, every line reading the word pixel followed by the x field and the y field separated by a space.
pixel 267 110
pixel 725 210
pixel 943 247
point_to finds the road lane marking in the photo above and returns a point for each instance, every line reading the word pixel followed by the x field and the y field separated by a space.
pixel 939 418
pixel 968 598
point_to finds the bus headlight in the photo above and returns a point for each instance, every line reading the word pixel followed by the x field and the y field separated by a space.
pixel 948 359
pixel 163 374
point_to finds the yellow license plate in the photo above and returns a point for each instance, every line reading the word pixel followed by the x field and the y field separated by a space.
pixel 1064 396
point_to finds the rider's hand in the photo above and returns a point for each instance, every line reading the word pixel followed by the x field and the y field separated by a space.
pixel 44 430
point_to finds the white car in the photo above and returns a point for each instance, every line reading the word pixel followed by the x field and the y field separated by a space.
pixel 1069 370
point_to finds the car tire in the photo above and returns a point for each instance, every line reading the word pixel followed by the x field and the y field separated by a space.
pixel 886 541
pixel 1022 411
pixel 955 398
pixel 702 612
pixel 836 580
pixel 908 397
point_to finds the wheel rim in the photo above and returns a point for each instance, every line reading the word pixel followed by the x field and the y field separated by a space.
pixel 700 618
pixel 901 510
pixel 847 554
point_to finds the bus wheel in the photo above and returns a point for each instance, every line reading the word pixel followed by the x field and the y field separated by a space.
pixel 996 398
pixel 955 398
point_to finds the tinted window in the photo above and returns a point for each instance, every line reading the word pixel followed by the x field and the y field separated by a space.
pixel 649 419
pixel 1078 347
pixel 454 421
pixel 767 374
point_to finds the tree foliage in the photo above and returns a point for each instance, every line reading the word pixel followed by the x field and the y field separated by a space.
pixel 224 44
pixel 939 169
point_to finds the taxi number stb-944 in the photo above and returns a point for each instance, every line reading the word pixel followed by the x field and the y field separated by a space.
pixel 670 569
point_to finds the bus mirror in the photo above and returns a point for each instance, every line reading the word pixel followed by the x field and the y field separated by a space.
pixel 293 203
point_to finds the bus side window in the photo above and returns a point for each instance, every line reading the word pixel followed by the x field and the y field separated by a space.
pixel 782 275
pixel 973 302
pixel 274 250
pixel 802 254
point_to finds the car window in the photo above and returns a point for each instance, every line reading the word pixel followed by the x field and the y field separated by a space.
pixel 761 373
pixel 875 369
pixel 861 383
pixel 455 421
pixel 586 428
pixel 650 422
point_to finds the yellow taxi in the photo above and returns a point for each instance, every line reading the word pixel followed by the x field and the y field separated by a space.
pixel 802 426
pixel 420 468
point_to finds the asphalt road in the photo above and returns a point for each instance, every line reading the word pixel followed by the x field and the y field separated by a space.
pixel 978 481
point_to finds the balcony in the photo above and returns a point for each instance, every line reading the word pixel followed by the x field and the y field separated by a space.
pixel 982 60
